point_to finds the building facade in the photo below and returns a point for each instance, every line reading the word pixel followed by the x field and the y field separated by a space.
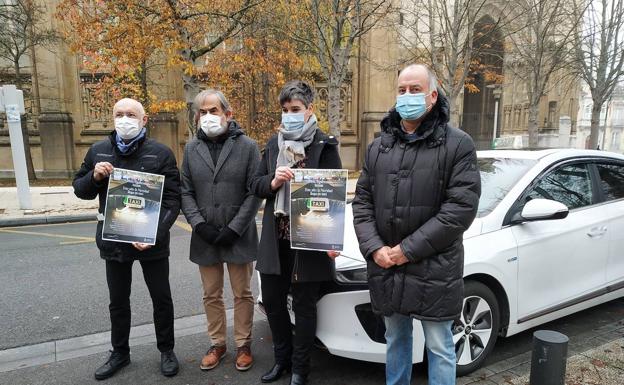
pixel 65 121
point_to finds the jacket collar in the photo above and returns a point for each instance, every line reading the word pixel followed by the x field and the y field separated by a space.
pixel 135 146
pixel 234 131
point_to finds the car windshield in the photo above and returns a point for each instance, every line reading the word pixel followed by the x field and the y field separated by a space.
pixel 498 176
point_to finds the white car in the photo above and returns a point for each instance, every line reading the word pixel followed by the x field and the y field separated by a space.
pixel 548 241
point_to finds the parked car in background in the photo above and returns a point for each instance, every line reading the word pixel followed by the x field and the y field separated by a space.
pixel 548 241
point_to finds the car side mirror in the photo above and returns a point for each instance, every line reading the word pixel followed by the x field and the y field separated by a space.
pixel 541 210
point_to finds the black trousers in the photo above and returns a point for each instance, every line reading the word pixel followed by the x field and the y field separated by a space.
pixel 119 279
pixel 275 288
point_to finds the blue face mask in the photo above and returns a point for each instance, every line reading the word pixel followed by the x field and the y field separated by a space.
pixel 411 106
pixel 293 121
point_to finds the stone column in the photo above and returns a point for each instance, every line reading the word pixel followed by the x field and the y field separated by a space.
pixel 56 130
pixel 163 127
pixel 565 128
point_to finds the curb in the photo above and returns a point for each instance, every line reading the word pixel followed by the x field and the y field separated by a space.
pixel 80 346
pixel 46 219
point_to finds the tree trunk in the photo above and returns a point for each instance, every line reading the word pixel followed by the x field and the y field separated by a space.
pixel 333 109
pixel 143 78
pixel 533 127
pixel 24 125
pixel 595 126
pixel 454 118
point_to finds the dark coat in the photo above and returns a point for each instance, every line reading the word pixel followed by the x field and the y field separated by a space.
pixel 309 266
pixel 220 195
pixel 146 155
pixel 420 192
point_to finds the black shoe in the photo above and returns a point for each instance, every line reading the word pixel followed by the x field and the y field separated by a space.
pixel 275 373
pixel 169 364
pixel 298 379
pixel 115 362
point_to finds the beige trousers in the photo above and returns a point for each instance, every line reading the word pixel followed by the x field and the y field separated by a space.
pixel 240 281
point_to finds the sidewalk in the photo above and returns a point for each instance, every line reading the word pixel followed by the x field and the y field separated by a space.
pixel 603 364
pixel 58 205
pixel 595 357
pixel 50 205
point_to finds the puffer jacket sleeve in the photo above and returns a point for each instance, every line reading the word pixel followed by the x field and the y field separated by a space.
pixel 85 187
pixel 171 195
pixel 251 204
pixel 364 219
pixel 457 210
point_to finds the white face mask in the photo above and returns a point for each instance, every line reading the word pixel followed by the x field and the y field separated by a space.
pixel 211 125
pixel 127 128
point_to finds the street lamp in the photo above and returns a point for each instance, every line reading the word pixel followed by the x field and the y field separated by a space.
pixel 497 91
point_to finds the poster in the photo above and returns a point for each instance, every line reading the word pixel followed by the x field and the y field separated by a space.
pixel 318 200
pixel 132 207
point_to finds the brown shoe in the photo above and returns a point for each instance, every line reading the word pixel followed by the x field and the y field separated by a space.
pixel 244 360
pixel 212 357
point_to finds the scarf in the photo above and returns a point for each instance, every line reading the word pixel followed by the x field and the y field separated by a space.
pixel 292 146
pixel 124 147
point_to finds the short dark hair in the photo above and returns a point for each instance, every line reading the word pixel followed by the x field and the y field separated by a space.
pixel 297 90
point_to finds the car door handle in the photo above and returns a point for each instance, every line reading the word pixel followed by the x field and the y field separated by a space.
pixel 596 232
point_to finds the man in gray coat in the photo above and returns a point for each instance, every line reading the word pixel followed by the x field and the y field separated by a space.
pixel 216 173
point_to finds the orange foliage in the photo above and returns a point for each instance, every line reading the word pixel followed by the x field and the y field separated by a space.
pixel 131 44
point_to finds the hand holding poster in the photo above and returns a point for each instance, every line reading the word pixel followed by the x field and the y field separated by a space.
pixel 317 209
pixel 132 206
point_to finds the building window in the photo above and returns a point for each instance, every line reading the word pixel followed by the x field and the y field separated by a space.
pixel 552 115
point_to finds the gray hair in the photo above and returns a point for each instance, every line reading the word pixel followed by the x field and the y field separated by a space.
pixel 202 96
pixel 297 90
pixel 433 80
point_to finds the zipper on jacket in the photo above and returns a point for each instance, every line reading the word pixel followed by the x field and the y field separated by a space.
pixel 396 195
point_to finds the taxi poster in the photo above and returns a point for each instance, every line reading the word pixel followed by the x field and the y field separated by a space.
pixel 132 206
pixel 318 199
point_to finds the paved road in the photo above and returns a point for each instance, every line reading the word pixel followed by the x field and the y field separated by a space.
pixel 53 284
pixel 53 287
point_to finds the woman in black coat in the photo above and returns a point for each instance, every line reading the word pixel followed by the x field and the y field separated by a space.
pixel 299 144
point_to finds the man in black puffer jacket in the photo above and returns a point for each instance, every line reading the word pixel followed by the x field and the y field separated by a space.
pixel 417 194
pixel 128 147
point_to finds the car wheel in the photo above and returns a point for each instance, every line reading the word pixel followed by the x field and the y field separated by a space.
pixel 476 330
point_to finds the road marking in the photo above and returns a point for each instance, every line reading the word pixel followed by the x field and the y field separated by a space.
pixel 4 230
pixel 184 226
pixel 78 242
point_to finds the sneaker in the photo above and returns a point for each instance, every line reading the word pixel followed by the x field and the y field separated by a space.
pixel 244 359
pixel 169 364
pixel 115 362
pixel 212 357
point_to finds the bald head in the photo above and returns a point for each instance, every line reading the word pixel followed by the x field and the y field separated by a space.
pixel 128 104
pixel 421 72
pixel 130 108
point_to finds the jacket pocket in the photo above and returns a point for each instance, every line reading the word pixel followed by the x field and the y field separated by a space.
pixel 381 286
pixel 148 163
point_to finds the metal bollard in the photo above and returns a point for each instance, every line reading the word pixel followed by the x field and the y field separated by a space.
pixel 548 360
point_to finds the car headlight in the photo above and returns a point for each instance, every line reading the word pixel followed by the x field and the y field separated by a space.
pixel 352 276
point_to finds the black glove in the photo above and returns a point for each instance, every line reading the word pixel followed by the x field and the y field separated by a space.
pixel 226 237
pixel 207 232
